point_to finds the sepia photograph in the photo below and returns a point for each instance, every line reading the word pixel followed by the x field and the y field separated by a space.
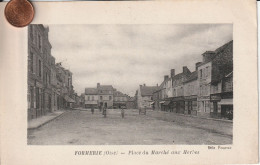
pixel 119 84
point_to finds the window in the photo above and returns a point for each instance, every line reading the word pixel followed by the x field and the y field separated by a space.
pixel 46 78
pixel 31 62
pixel 54 99
pixel 40 68
pixel 88 97
pixel 110 97
pixel 201 74
pixel 207 71
pixel 101 98
pixel 93 98
pixel 39 42
pixel 49 79
pixel 32 97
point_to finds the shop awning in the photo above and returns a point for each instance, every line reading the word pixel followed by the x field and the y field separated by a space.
pixel 68 99
pixel 226 102
pixel 161 102
pixel 167 102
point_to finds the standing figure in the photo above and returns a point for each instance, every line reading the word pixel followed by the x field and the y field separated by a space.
pixel 105 111
pixel 92 110
pixel 122 111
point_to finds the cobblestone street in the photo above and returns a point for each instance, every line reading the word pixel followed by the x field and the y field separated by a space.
pixel 82 128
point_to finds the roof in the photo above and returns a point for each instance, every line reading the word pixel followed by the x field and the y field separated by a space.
pixel 216 52
pixel 148 90
pixel 177 76
pixel 119 94
pixel 106 87
pixel 91 91
pixel 192 76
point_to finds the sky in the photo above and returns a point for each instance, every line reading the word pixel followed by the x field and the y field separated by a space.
pixel 126 56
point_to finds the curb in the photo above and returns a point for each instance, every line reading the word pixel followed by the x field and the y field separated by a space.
pixel 47 121
pixel 228 121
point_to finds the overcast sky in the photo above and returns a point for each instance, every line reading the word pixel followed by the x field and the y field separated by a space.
pixel 126 56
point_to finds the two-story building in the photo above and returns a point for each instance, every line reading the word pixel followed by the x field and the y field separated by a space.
pixel 145 96
pixel 119 99
pixel 105 94
pixel 91 98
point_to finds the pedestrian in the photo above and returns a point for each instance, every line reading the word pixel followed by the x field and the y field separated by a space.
pixel 122 111
pixel 105 111
pixel 92 110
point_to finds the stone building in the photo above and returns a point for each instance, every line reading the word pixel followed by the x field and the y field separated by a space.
pixel 221 96
pixel 105 94
pixel 64 83
pixel 177 101
pixel 145 96
pixel 215 66
pixel 36 33
pixel 91 98
pixel 49 85
pixel 119 99
pixel 41 83
pixel 191 88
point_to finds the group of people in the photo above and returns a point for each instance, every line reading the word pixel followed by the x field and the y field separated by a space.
pixel 103 108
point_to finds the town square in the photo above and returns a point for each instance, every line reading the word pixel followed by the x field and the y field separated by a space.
pixel 130 84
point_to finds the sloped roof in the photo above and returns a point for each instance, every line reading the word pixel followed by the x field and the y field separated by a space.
pixel 118 93
pixel 217 51
pixel 148 90
pixel 177 76
pixel 192 76
pixel 91 91
pixel 106 87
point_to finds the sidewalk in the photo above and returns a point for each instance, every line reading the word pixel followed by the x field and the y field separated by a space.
pixel 219 126
pixel 38 122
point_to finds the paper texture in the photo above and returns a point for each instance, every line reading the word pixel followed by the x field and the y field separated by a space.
pixel 14 58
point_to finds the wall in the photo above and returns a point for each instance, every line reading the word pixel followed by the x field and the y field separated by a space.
pixel 191 88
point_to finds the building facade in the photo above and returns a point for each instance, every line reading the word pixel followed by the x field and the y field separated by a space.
pixel 191 88
pixel 105 94
pixel 145 96
pixel 120 99
pixel 45 85
pixel 91 98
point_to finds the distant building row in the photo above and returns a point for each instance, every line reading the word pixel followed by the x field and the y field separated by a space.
pixel 106 95
pixel 207 92
pixel 49 84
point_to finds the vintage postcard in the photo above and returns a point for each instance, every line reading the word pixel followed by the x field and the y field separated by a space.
pixel 158 82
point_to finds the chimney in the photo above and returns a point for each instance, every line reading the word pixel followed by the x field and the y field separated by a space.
pixel 166 77
pixel 185 70
pixel 98 85
pixel 197 65
pixel 172 72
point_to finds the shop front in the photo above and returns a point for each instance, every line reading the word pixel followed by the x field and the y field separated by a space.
pixel 222 105
pixel 178 104
pixel 191 105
